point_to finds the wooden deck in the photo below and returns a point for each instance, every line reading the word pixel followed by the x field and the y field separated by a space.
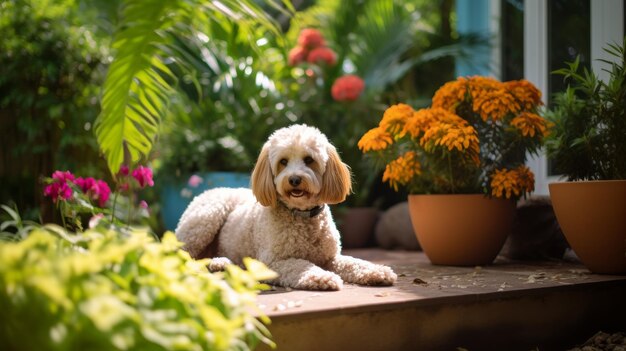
pixel 505 306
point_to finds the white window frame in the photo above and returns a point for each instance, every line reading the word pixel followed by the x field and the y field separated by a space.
pixel 607 26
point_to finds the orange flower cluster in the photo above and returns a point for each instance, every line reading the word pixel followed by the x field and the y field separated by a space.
pixel 395 117
pixel 489 98
pixel 506 183
pixel 452 136
pixel 525 92
pixel 433 129
pixel 475 125
pixel 311 48
pixel 531 124
pixel 402 170
pixel 450 94
pixel 375 140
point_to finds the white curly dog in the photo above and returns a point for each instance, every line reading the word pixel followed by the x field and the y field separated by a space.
pixel 284 221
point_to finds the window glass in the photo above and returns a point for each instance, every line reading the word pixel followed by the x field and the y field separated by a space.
pixel 513 39
pixel 569 35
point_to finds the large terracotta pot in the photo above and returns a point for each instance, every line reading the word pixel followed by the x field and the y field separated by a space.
pixel 592 215
pixel 461 230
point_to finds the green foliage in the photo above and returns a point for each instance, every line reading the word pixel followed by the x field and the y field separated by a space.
pixel 50 67
pixel 587 142
pixel 228 103
pixel 236 84
pixel 14 227
pixel 139 83
pixel 101 290
pixel 385 42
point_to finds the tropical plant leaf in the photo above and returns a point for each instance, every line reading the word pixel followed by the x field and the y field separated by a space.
pixel 135 91
pixel 139 84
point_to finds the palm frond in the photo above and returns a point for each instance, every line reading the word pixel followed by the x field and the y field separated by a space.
pixel 139 83
pixel 135 91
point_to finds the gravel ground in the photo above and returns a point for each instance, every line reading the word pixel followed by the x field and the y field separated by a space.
pixel 604 342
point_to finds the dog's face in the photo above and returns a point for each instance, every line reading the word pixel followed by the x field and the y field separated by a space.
pixel 299 167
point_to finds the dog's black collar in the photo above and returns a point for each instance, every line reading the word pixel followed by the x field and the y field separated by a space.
pixel 307 213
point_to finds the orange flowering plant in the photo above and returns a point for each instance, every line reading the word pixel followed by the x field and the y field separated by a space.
pixel 474 138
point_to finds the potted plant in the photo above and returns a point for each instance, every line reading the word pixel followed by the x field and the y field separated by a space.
pixel 344 69
pixel 588 147
pixel 462 162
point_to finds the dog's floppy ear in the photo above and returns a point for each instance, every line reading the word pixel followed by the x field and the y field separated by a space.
pixel 337 180
pixel 262 181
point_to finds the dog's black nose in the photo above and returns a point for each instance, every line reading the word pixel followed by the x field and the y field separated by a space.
pixel 295 180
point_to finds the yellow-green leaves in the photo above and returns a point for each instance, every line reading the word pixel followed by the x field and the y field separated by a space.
pixel 113 291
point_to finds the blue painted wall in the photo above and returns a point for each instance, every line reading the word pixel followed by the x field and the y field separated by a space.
pixel 473 17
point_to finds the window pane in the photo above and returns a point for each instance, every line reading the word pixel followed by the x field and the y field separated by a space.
pixel 569 35
pixel 513 39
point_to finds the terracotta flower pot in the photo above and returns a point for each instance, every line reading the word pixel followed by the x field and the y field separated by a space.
pixel 592 215
pixel 461 230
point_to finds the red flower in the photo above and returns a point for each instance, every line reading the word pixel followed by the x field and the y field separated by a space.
pixel 347 88
pixel 322 54
pixel 297 55
pixel 310 38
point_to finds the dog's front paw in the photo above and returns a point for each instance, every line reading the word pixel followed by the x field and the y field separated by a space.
pixel 319 279
pixel 218 264
pixel 380 275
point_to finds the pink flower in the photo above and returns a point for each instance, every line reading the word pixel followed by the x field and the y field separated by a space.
pixel 297 55
pixel 85 184
pixel 347 88
pixel 143 204
pixel 62 176
pixel 97 190
pixel 310 38
pixel 102 192
pixel 143 175
pixel 194 181
pixel 323 55
pixel 58 190
pixel 124 170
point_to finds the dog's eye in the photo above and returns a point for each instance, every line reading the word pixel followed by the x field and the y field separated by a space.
pixel 308 160
pixel 283 161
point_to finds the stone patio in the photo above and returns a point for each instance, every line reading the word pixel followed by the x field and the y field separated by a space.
pixel 510 305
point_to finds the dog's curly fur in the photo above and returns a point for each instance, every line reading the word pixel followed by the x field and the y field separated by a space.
pixel 298 173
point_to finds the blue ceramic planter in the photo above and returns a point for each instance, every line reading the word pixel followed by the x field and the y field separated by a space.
pixel 176 195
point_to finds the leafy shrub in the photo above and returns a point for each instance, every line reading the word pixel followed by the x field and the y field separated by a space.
pixel 51 69
pixel 100 290
pixel 588 140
